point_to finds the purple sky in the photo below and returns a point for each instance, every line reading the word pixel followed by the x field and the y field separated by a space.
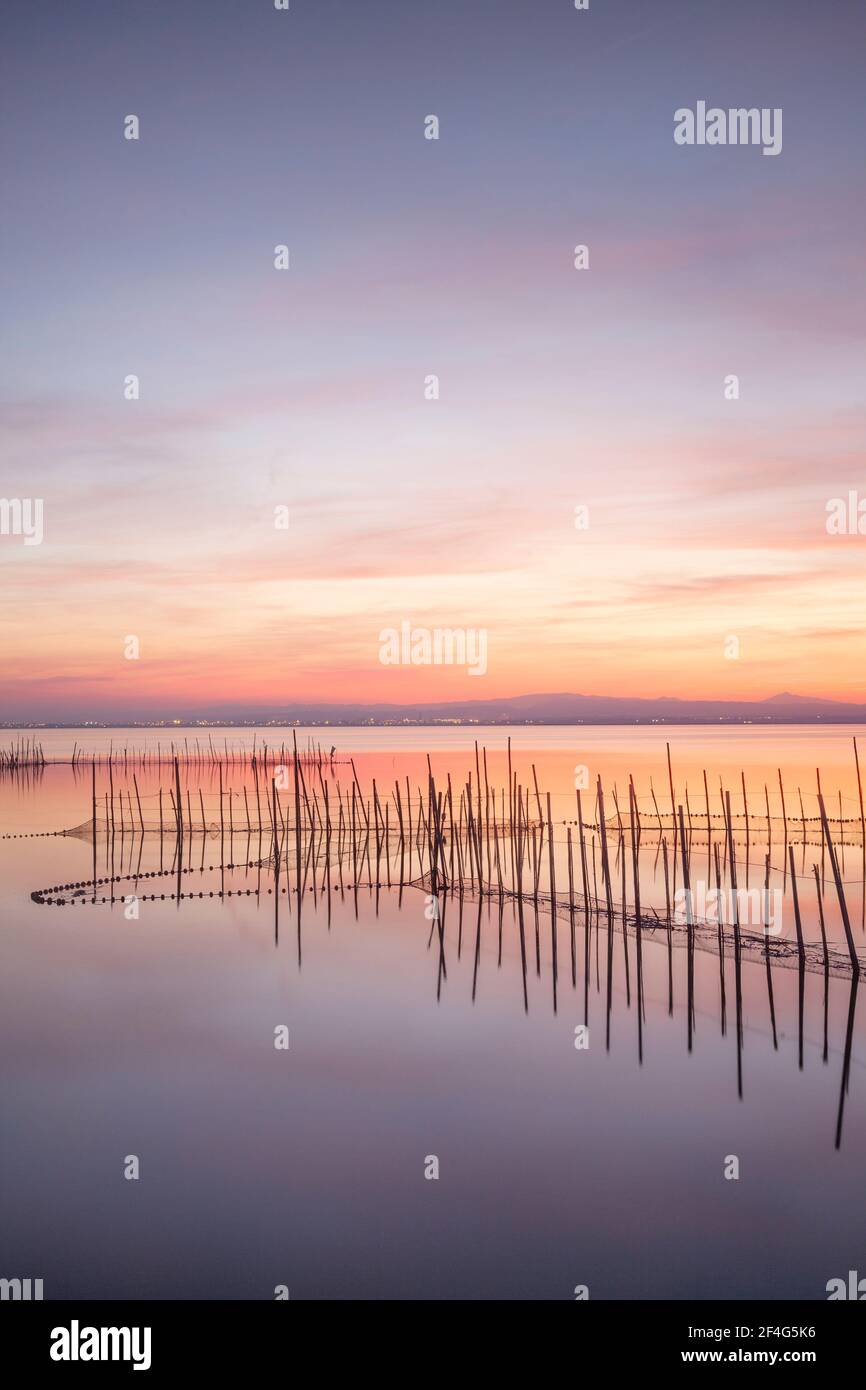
pixel 304 388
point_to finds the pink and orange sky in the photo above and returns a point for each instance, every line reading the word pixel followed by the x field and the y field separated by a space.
pixel 305 388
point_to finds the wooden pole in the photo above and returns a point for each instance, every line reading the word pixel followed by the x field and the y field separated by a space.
pixel 860 794
pixel 821 916
pixel 801 952
pixel 840 891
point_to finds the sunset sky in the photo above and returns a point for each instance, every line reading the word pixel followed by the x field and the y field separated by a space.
pixel 305 388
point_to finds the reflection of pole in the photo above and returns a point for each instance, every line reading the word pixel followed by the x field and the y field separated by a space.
pixel 552 896
pixel 687 886
pixel 846 1066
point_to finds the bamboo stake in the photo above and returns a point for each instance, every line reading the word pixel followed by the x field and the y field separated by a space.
pixel 840 891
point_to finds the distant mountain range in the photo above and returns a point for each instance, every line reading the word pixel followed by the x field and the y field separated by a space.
pixel 525 709
pixel 585 709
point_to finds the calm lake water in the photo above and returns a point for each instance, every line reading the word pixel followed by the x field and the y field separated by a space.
pixel 153 1035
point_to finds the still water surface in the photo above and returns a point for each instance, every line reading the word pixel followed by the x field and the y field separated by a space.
pixel 558 1166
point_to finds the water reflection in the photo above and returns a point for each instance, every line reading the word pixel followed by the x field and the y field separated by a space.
pixel 584 933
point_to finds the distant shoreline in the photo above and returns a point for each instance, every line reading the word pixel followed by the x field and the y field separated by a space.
pixel 815 721
pixel 560 709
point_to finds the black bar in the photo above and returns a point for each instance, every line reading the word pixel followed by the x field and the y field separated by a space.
pixel 245 1337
